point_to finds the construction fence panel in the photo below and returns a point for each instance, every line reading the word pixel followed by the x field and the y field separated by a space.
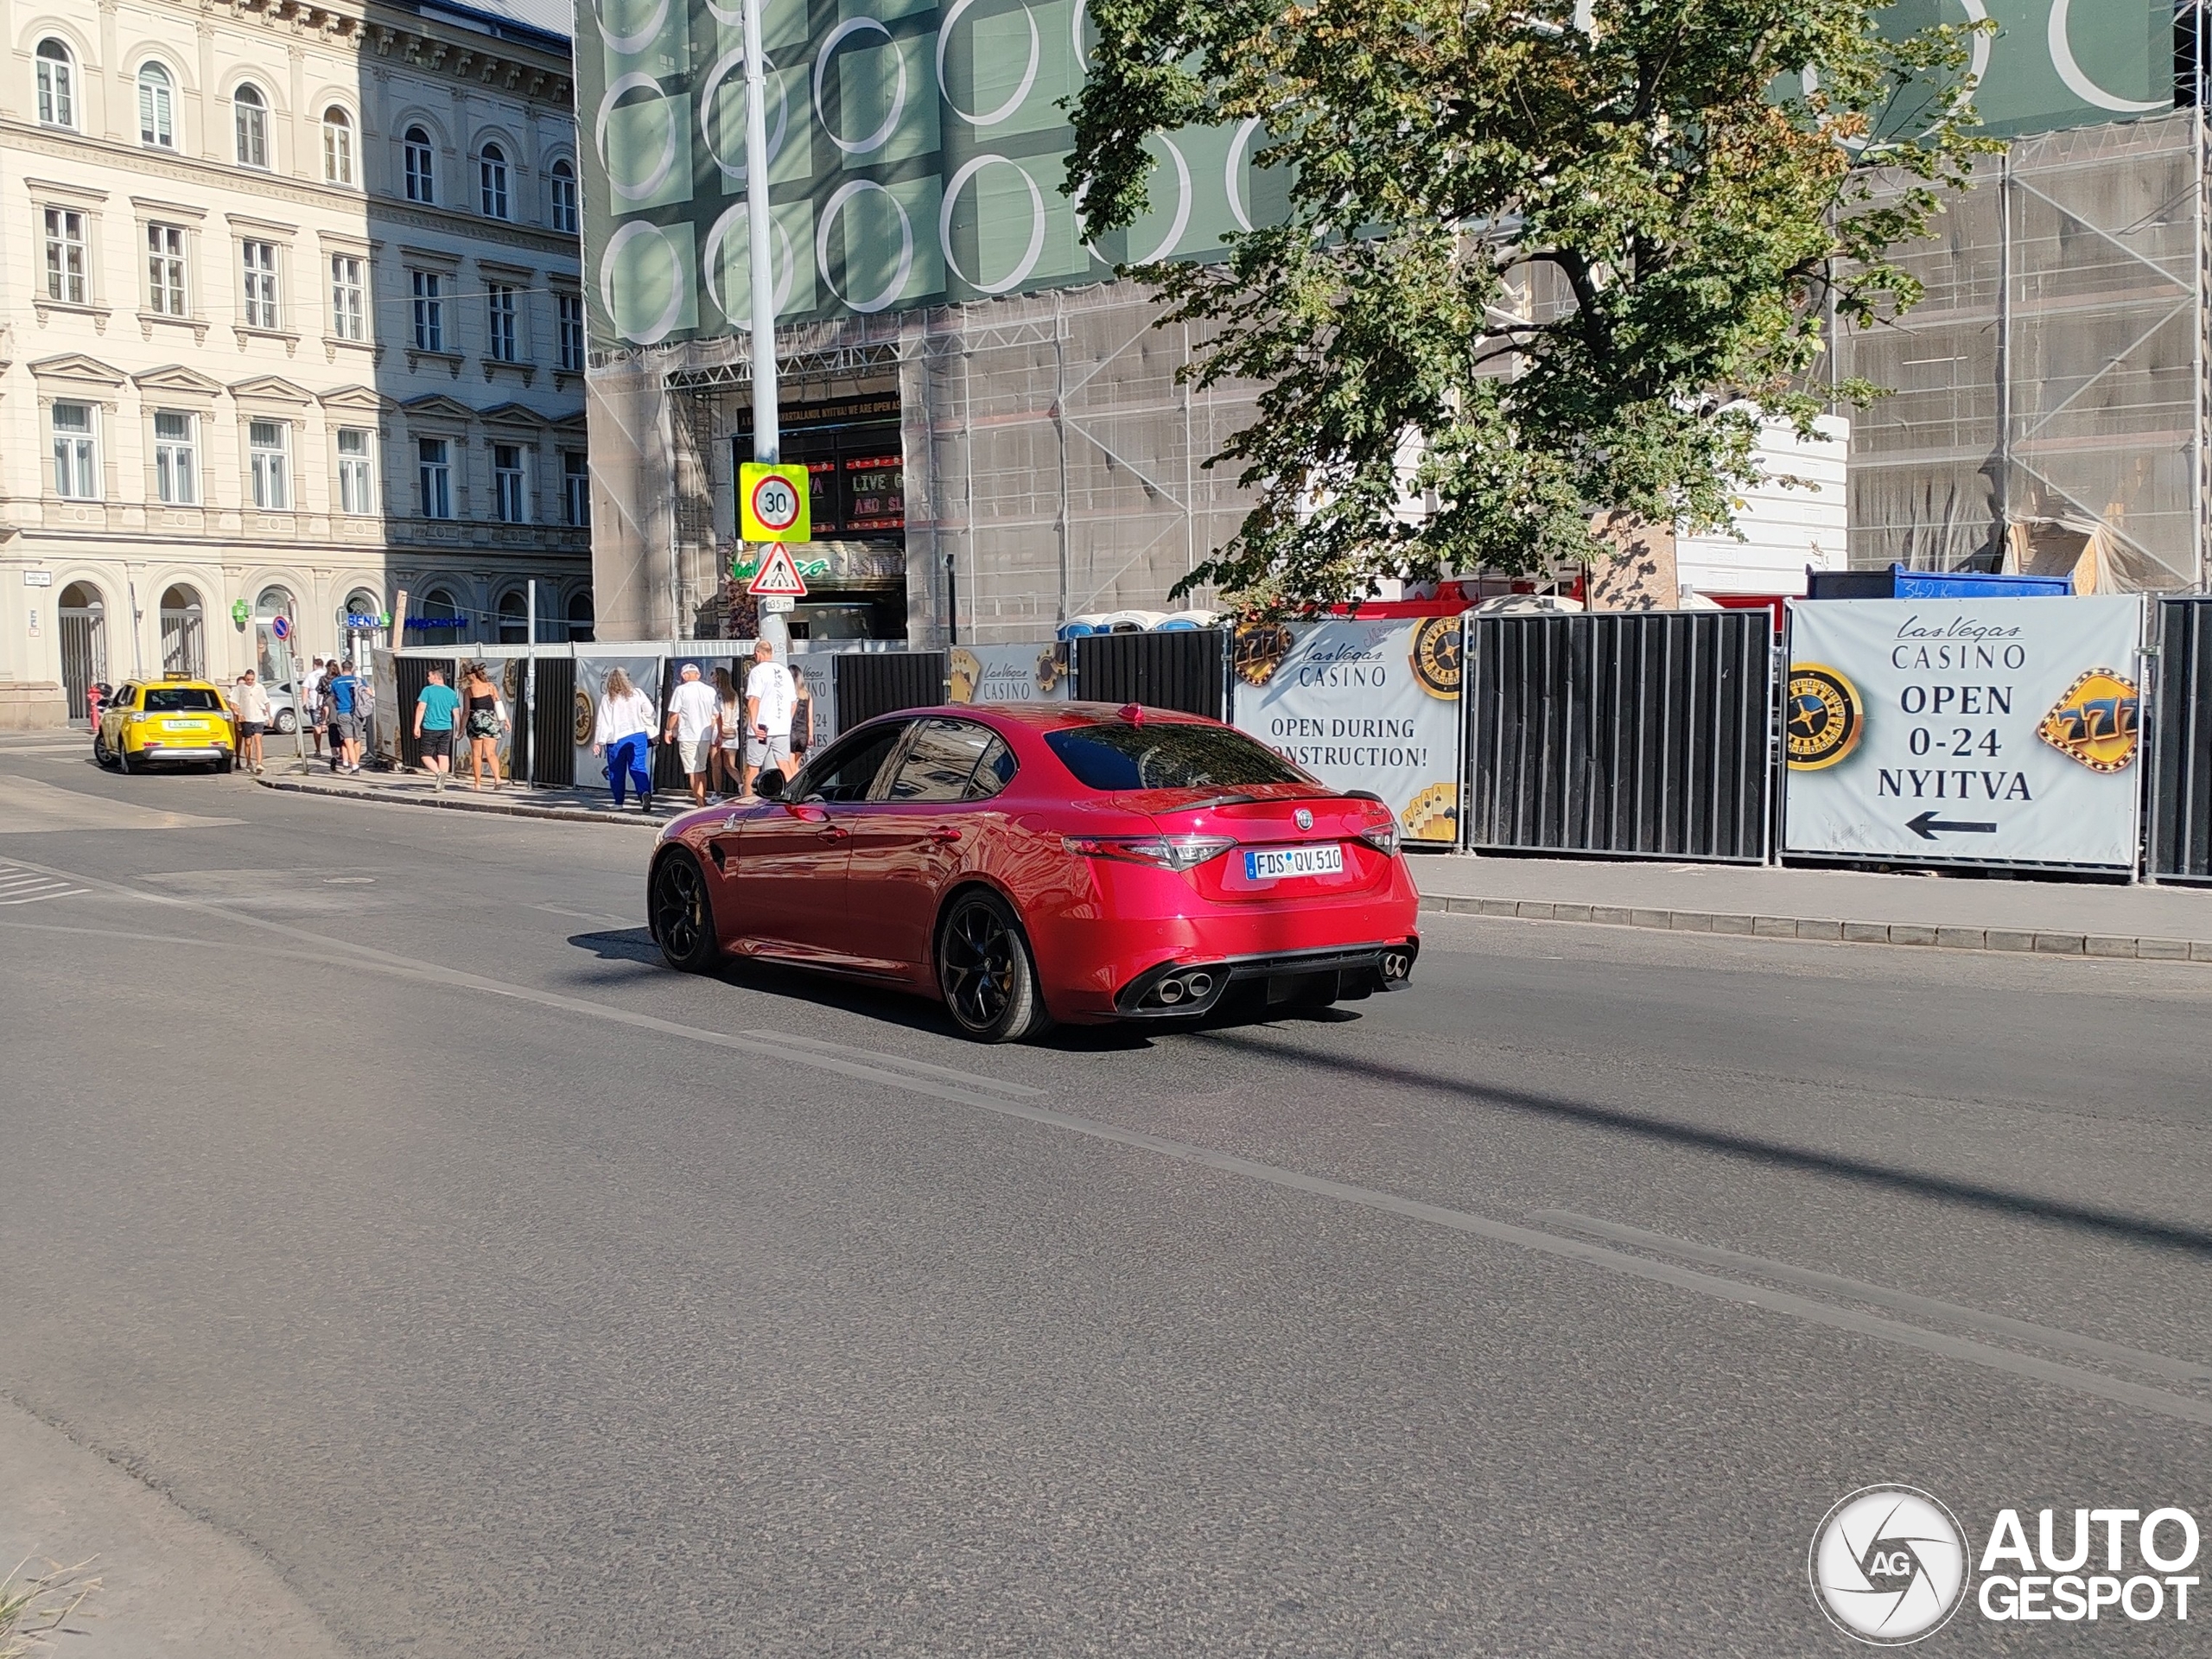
pixel 1644 735
pixel 1187 670
pixel 552 715
pixel 2181 744
pixel 882 681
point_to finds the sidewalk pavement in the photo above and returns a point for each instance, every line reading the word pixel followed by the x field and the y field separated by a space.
pixel 1958 912
pixel 1961 912
pixel 417 789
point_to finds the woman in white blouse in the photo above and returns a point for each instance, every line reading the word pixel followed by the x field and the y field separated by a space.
pixel 625 726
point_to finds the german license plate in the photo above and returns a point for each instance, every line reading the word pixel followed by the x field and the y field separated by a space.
pixel 1272 864
pixel 184 726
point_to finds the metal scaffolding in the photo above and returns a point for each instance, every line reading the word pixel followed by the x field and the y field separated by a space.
pixel 1055 457
pixel 2047 401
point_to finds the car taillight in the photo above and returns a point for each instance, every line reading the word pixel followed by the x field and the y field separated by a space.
pixel 1381 836
pixel 1163 852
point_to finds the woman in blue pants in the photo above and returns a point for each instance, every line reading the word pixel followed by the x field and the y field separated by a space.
pixel 626 725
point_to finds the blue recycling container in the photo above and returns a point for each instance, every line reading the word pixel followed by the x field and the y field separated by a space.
pixel 1897 582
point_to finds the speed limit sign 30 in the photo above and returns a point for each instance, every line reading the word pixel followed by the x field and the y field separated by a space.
pixel 773 503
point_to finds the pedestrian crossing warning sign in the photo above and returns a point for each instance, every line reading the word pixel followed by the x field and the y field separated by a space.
pixel 778 578
pixel 771 504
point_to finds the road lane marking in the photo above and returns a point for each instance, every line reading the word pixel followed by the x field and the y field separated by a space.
pixel 29 807
pixel 1924 1307
pixel 23 887
pixel 1850 1320
pixel 588 916
pixel 878 1058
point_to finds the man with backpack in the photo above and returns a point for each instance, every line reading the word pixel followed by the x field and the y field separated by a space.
pixel 344 694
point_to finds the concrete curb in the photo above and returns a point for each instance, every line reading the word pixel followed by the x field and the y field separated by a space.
pixel 463 802
pixel 1797 927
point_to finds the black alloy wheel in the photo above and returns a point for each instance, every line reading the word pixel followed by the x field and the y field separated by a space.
pixel 101 753
pixel 682 914
pixel 123 761
pixel 986 973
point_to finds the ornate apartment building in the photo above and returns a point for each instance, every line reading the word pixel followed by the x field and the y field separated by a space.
pixel 290 317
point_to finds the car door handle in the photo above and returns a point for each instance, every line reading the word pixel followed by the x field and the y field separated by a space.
pixel 944 835
pixel 835 832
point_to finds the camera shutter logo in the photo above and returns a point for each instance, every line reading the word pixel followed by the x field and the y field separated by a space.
pixel 1888 1565
pixel 1823 719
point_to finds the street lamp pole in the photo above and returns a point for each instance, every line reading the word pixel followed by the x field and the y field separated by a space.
pixel 767 438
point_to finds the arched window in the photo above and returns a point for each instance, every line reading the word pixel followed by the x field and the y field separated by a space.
pixel 249 117
pixel 157 107
pixel 57 84
pixel 272 655
pixel 82 614
pixel 337 146
pixel 514 620
pixel 579 620
pixel 184 636
pixel 494 169
pixel 564 198
pixel 421 166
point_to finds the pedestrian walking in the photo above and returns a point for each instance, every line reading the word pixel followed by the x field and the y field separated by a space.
pixel 343 694
pixel 249 698
pixel 436 706
pixel 488 718
pixel 693 712
pixel 770 701
pixel 623 733
pixel 309 703
pixel 729 736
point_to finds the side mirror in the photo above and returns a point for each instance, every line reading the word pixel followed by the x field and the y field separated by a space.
pixel 768 784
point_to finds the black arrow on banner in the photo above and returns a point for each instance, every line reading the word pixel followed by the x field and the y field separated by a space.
pixel 1927 826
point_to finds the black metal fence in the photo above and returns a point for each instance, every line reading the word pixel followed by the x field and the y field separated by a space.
pixel 1186 671
pixel 411 674
pixel 1644 735
pixel 552 722
pixel 881 683
pixel 2180 805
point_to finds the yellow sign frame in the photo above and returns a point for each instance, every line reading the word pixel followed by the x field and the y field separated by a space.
pixel 750 527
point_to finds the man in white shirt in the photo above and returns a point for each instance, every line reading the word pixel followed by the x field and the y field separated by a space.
pixel 770 697
pixel 692 717
pixel 250 704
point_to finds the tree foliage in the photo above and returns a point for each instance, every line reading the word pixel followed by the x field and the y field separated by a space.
pixel 1537 264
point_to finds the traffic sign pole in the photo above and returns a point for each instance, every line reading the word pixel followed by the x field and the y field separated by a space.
pixel 767 436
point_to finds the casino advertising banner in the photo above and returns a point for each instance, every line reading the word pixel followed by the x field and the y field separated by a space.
pixel 1033 673
pixel 1363 705
pixel 1970 731
pixel 591 684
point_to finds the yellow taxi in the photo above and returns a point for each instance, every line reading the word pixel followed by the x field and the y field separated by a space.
pixel 175 720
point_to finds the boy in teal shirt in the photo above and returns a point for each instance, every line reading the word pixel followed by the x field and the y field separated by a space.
pixel 434 709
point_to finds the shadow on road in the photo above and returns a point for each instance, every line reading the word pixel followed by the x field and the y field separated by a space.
pixel 2141 1229
pixel 803 985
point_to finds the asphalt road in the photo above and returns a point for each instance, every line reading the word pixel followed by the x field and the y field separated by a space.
pixel 375 1194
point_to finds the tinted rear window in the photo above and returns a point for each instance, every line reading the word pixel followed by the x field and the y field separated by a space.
pixel 180 700
pixel 1115 755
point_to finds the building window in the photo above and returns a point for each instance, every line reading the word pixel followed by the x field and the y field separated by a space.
pixel 271 444
pixel 157 107
pixel 337 146
pixel 421 166
pixel 76 453
pixel 250 118
pixel 259 261
pixel 575 489
pixel 57 84
pixel 434 467
pixel 165 295
pixel 65 256
pixel 564 198
pixel 499 309
pixel 430 311
pixel 176 458
pixel 569 319
pixel 349 296
pixel 493 168
pixel 356 472
pixel 579 620
pixel 510 498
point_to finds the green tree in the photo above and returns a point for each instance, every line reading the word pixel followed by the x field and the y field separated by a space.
pixel 1533 262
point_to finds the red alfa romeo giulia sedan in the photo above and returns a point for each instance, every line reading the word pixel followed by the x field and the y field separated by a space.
pixel 1067 861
